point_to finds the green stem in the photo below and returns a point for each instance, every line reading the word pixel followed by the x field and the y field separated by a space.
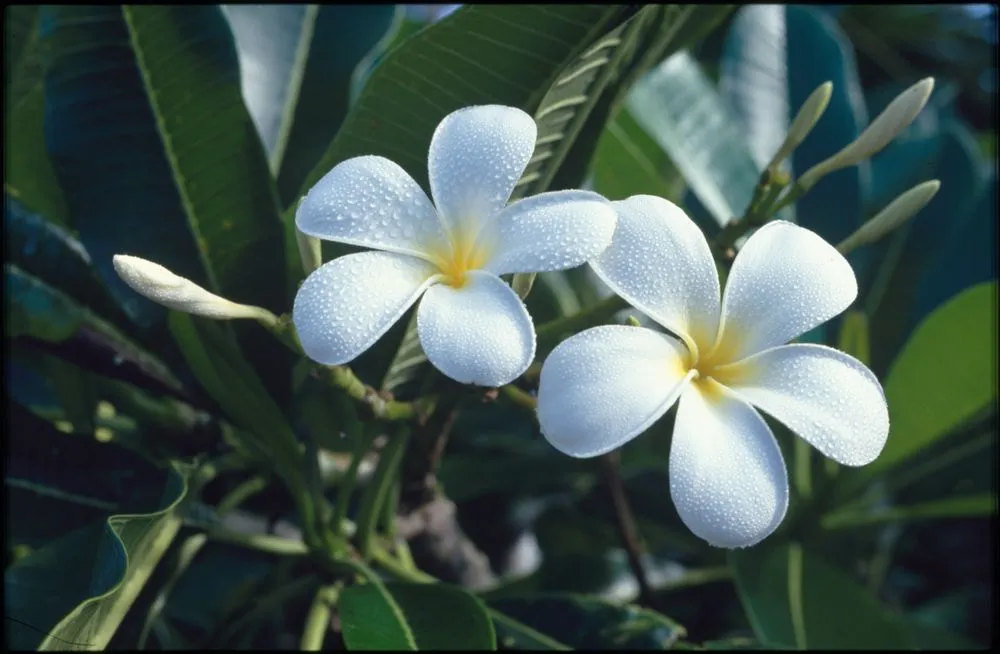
pixel 520 398
pixel 343 377
pixel 261 542
pixel 377 492
pixel 364 444
pixel 318 619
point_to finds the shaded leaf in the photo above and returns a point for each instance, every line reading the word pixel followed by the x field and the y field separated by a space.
pixel 52 254
pixel 584 622
pixel 74 592
pixel 628 162
pixel 929 394
pixel 794 598
pixel 36 309
pixel 480 54
pixel 414 617
pixel 28 173
pixel 175 173
pixel 983 504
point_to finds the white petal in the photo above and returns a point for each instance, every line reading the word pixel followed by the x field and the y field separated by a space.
pixel 372 202
pixel 727 475
pixel 477 155
pixel 346 305
pixel 550 231
pixel 477 334
pixel 828 398
pixel 660 262
pixel 785 281
pixel 604 386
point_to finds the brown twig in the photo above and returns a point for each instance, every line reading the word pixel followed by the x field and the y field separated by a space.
pixel 626 526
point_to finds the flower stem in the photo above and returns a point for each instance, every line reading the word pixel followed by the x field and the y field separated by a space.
pixel 626 526
pixel 519 397
pixel 318 620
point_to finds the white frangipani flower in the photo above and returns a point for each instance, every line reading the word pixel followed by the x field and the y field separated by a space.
pixel 471 324
pixel 602 387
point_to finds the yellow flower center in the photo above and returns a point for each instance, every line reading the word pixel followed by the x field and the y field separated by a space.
pixel 458 256
pixel 713 364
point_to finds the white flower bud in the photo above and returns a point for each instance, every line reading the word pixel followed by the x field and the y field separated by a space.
pixel 886 127
pixel 172 291
pixel 895 214
pixel 810 113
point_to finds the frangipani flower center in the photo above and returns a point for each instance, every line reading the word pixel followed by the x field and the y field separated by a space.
pixel 708 363
pixel 462 253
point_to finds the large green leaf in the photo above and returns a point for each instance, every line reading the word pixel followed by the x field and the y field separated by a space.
pixel 982 504
pixel 28 174
pixel 219 366
pixel 414 617
pixel 584 622
pixel 36 309
pixel 480 54
pixel 73 592
pixel 794 598
pixel 943 377
pixel 158 156
pixel 944 224
pixel 566 107
pixel 296 65
pixel 966 256
pixel 677 105
pixel 753 77
pixel 628 162
pixel 50 253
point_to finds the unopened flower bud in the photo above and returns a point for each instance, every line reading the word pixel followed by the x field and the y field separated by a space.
pixel 886 127
pixel 174 292
pixel 889 219
pixel 810 113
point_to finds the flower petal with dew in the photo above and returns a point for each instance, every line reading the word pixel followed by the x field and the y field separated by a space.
pixel 602 387
pixel 471 324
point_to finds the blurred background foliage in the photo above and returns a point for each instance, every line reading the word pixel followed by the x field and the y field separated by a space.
pixel 187 137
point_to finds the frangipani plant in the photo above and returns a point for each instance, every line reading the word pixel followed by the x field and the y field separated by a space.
pixel 181 478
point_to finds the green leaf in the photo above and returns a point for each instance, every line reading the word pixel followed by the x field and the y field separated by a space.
pixel 628 162
pixel 414 617
pixel 480 54
pixel 932 254
pixel 75 591
pixel 219 366
pixel 566 107
pixel 583 622
pixel 36 309
pixel 943 377
pixel 677 105
pixel 753 77
pixel 28 173
pixel 296 65
pixel 983 504
pixel 47 251
pixel 794 598
pixel 159 158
